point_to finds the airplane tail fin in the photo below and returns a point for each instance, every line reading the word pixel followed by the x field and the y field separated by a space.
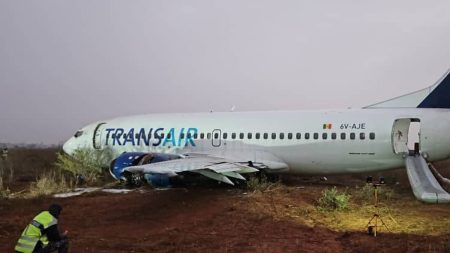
pixel 435 96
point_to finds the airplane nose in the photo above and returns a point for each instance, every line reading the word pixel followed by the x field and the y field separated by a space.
pixel 68 147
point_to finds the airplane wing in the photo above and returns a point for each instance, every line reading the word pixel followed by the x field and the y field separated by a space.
pixel 216 168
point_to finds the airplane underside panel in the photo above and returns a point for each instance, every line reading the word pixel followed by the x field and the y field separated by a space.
pixel 424 185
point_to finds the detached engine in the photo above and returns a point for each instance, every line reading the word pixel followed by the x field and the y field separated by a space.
pixel 139 158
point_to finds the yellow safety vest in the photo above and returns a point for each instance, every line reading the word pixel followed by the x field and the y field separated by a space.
pixel 33 232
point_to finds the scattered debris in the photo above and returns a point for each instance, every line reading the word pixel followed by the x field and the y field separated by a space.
pixel 80 191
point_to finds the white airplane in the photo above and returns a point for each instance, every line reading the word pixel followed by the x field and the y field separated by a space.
pixel 223 146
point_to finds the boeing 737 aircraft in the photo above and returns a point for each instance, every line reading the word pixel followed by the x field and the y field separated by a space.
pixel 412 129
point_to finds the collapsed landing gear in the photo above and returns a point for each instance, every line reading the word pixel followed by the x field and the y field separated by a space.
pixel 134 179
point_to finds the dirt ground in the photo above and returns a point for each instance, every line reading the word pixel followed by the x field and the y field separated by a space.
pixel 225 219
pixel 194 220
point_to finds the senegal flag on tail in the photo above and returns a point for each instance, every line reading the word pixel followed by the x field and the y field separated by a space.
pixel 327 126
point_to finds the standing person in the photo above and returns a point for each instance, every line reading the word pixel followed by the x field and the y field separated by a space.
pixel 3 164
pixel 42 234
pixel 5 154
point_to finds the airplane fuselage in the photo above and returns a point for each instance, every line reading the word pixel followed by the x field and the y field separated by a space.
pixel 309 142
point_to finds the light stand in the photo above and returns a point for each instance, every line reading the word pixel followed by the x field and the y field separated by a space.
pixel 376 222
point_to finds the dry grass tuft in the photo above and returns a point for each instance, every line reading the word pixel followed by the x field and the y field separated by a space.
pixel 4 193
pixel 49 184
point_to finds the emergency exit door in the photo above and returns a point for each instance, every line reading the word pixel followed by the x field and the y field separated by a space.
pixel 216 137
pixel 406 136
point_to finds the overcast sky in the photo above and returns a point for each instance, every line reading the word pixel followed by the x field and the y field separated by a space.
pixel 64 64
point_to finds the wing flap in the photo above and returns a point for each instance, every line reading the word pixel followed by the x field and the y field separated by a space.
pixel 234 175
pixel 215 176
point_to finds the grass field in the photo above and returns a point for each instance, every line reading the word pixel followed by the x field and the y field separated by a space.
pixel 289 208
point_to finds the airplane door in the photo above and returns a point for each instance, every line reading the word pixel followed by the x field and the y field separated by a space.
pixel 97 139
pixel 216 137
pixel 406 136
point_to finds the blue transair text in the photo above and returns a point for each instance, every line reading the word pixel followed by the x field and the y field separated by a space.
pixel 137 137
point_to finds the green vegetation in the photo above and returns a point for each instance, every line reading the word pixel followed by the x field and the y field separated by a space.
pixel 85 163
pixel 366 194
pixel 261 184
pixel 332 200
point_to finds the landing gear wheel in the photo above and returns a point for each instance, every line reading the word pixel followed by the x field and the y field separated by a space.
pixel 134 179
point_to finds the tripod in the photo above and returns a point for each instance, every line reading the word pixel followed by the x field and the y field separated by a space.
pixel 376 221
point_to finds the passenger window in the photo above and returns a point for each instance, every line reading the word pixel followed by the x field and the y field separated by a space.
pixel 316 136
pixel 298 136
pixel 208 136
pixel 196 136
pixel 307 136
pixel 241 136
pixel 333 136
pixel 290 136
pixel 257 136
pixel 281 136
pixel 225 136
pixel 343 136
pixel 352 136
pixel 181 136
pixel 162 136
pixel 216 136
pixel 249 136
pixel 274 136
pixel 362 136
pixel 189 135
pixel 233 136
pixel 136 136
pixel 372 136
pixel 324 136
pixel 202 135
pixel 266 135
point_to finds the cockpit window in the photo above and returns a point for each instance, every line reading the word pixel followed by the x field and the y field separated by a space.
pixel 78 134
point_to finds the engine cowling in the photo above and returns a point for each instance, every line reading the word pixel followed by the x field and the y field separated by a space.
pixel 139 158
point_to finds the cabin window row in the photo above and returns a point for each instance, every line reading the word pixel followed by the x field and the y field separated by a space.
pixel 274 136
pixel 289 136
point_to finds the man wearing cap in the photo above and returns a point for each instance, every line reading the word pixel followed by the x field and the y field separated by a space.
pixel 42 234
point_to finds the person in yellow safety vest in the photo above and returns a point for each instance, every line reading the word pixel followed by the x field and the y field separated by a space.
pixel 42 234
pixel 5 154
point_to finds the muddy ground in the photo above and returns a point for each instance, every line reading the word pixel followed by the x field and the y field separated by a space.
pixel 213 218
